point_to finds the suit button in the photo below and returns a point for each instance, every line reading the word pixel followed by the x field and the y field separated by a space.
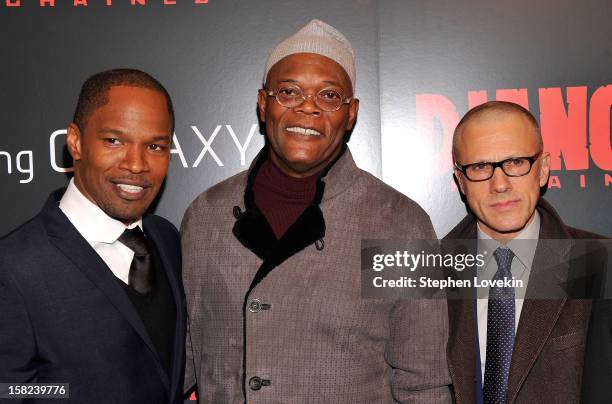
pixel 254 306
pixel 255 383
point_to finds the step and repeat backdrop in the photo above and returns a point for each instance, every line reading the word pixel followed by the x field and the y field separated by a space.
pixel 420 66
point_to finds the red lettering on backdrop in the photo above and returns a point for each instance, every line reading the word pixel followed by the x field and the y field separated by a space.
pixel 44 3
pixel 553 182
pixel 432 108
pixel 475 98
pixel 201 2
pixel 599 120
pixel 141 2
pixel 518 96
pixel 607 179
pixel 169 2
pixel 565 132
pixel 13 3
pixel 109 2
pixel 563 122
pixel 80 3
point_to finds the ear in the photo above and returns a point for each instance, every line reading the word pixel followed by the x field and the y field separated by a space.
pixel 262 99
pixel 460 179
pixel 73 141
pixel 353 109
pixel 544 168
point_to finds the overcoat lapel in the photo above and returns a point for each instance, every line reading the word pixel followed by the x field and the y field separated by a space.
pixel 307 229
pixel 462 348
pixel 76 249
pixel 254 232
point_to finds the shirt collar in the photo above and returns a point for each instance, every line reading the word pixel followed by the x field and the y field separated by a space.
pixel 523 250
pixel 91 221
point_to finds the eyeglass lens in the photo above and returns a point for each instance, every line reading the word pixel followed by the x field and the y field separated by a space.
pixel 514 167
pixel 326 99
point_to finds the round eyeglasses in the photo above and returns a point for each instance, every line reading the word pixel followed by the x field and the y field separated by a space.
pixel 512 167
pixel 327 99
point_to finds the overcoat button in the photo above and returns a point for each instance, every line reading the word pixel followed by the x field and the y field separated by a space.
pixel 320 244
pixel 255 383
pixel 254 306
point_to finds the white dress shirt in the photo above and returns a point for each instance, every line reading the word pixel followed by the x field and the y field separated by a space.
pixel 524 252
pixel 100 230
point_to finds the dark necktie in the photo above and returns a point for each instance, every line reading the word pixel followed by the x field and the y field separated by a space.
pixel 141 271
pixel 500 332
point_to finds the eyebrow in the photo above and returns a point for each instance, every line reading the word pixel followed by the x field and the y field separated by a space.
pixel 113 131
pixel 161 137
pixel 332 83
pixel 513 156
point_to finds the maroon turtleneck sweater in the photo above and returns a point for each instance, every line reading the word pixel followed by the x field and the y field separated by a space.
pixel 280 197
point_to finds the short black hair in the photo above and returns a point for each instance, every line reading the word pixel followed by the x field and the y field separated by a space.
pixel 94 92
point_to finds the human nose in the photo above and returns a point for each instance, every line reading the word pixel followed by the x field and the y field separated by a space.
pixel 135 160
pixel 309 105
pixel 500 182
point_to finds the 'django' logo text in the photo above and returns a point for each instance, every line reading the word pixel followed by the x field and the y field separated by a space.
pixel 575 128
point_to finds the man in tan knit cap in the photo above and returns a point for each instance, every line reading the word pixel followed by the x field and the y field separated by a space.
pixel 275 304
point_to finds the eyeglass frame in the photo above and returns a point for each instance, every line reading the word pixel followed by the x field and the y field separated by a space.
pixel 271 93
pixel 532 159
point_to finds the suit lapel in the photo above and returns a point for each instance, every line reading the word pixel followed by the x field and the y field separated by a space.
pixel 463 352
pixel 168 267
pixel 548 278
pixel 538 317
pixel 63 235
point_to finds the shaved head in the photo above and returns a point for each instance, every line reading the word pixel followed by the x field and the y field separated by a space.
pixel 501 132
pixel 494 111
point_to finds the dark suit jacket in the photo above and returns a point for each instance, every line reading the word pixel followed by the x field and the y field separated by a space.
pixel 548 352
pixel 65 318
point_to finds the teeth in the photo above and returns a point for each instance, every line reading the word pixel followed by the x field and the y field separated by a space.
pixel 303 131
pixel 130 188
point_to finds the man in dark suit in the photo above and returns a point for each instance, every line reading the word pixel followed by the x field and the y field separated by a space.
pixel 90 288
pixel 500 167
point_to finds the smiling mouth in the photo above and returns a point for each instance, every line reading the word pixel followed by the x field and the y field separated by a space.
pixel 303 131
pixel 132 189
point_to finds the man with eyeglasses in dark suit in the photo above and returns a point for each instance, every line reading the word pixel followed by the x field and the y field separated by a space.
pixel 501 168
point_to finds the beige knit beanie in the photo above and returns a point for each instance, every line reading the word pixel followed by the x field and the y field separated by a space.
pixel 320 38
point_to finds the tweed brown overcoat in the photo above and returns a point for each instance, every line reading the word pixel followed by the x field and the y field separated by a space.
pixel 285 322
